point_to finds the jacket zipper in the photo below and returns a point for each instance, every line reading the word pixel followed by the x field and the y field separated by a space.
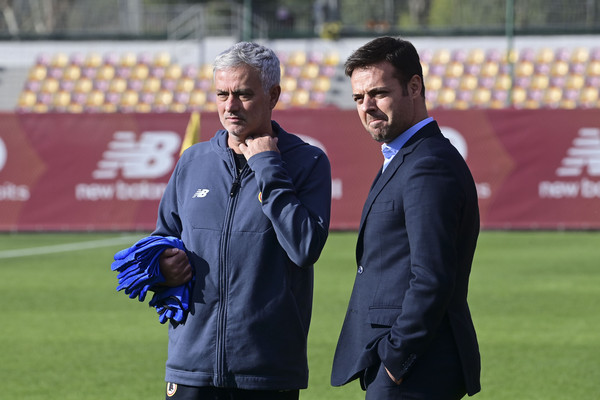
pixel 223 279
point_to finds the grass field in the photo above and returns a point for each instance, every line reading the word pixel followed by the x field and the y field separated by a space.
pixel 67 334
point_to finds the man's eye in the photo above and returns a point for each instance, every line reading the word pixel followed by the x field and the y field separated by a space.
pixel 222 96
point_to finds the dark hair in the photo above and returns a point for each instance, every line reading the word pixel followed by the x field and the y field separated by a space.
pixel 400 53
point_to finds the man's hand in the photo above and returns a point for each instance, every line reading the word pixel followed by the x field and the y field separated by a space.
pixel 175 267
pixel 396 381
pixel 252 146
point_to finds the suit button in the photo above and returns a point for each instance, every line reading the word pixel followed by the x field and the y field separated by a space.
pixel 360 269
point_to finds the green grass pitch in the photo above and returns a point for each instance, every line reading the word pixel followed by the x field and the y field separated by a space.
pixel 67 334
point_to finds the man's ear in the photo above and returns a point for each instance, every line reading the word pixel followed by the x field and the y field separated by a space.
pixel 274 93
pixel 415 85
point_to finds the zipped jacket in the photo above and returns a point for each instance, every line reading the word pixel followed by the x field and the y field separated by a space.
pixel 252 238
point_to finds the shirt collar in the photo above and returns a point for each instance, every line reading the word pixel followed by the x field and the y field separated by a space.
pixel 392 148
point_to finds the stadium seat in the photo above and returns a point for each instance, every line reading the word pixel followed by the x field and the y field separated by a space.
pixel 117 85
pixel 27 100
pixel 468 82
pixel 128 100
pixel 540 82
pixel 552 97
pixel 503 82
pixel 162 101
pixel 94 100
pixel 105 72
pixel 296 58
pixel 288 84
pixel 139 72
pixel 92 60
pixel 61 101
pixel 524 68
pixel 37 73
pixel 544 56
pixel 322 84
pixel 446 98
pixel 589 97
pixel 300 98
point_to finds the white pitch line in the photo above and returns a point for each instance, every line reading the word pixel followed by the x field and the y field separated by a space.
pixel 60 248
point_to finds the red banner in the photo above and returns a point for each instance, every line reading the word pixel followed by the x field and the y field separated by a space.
pixel 533 169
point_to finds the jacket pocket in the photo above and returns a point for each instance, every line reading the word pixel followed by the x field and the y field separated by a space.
pixel 382 206
pixel 383 316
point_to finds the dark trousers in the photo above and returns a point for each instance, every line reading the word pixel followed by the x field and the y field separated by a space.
pixel 182 392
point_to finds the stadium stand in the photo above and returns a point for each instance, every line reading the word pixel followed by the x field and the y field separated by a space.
pixel 454 78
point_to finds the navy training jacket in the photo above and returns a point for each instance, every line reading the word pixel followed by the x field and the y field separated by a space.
pixel 252 242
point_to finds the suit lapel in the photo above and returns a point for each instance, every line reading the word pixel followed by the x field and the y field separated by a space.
pixel 383 178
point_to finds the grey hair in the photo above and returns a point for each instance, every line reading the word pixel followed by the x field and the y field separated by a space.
pixel 257 56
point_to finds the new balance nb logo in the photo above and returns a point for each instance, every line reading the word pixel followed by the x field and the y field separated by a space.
pixel 200 193
pixel 151 157
pixel 583 154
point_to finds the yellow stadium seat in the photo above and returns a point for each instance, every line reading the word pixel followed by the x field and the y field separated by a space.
pixel 446 97
pixel 589 97
pixel 468 82
pixel 454 69
pixel 71 72
pixel 475 56
pixel 93 60
pixel 151 85
pixel 173 71
pixel 300 98
pixel 118 85
pixel 310 71
pixel 580 55
pixel 105 73
pixel 593 68
pixel 50 85
pixel 163 98
pixel 288 83
pixel 441 56
pixel 559 68
pixel 524 68
pixel 61 100
pixel 129 99
pixel 95 99
pixel 205 72
pixel 27 99
pixel 59 60
pixel 198 98
pixel 433 82
pixel 128 60
pixel 552 97
pixel 540 81
pixel 322 84
pixel 37 73
pixel 185 85
pixel 503 82
pixel 331 58
pixel 162 59
pixel 139 72
pixel 297 58
pixel 83 85
pixel 544 56
pixel 574 82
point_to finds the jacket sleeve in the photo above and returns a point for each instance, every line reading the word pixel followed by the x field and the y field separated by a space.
pixel 433 205
pixel 168 222
pixel 298 208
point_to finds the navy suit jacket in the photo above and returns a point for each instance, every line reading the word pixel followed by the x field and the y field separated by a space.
pixel 416 241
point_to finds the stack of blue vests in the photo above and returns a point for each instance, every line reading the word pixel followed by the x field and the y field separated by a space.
pixel 139 272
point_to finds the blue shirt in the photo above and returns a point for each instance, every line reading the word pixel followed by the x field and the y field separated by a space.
pixel 392 148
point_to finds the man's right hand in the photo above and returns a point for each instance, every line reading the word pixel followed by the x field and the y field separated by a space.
pixel 175 267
